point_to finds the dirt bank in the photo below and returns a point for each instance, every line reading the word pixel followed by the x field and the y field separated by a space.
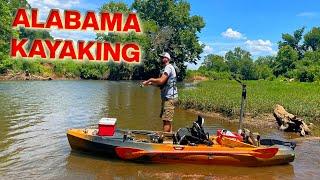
pixel 262 121
pixel 10 75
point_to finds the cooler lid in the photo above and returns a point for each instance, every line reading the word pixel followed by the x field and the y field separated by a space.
pixel 108 121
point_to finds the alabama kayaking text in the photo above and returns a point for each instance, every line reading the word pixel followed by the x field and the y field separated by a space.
pixel 73 20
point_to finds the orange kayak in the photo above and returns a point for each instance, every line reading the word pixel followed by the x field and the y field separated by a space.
pixel 143 149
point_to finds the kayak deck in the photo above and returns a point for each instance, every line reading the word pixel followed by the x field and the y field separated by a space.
pixel 141 149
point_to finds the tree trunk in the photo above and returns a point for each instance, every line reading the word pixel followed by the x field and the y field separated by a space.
pixel 289 122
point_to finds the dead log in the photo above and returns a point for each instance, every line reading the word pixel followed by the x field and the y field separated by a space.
pixel 289 122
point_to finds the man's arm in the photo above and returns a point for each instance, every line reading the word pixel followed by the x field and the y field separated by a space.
pixel 157 81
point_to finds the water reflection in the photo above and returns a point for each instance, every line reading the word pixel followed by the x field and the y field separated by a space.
pixel 102 168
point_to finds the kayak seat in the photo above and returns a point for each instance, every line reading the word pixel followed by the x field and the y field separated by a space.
pixel 192 136
pixel 197 129
pixel 184 137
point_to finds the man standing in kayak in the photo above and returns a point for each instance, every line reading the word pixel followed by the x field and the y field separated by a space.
pixel 169 93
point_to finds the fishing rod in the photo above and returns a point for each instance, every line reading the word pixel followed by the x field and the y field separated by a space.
pixel 243 99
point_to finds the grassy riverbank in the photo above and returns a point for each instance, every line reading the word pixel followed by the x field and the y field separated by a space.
pixel 38 69
pixel 224 96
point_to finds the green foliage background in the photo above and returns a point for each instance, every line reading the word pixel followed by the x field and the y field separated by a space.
pixel 298 59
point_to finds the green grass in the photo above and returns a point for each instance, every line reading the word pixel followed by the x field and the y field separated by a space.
pixel 224 96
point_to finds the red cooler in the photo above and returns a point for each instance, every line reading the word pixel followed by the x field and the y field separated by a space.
pixel 107 126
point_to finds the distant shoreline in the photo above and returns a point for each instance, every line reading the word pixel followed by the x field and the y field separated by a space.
pixel 21 76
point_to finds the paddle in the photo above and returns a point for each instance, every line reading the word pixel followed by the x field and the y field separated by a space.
pixel 133 153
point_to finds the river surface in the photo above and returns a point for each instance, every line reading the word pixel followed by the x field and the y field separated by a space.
pixel 35 115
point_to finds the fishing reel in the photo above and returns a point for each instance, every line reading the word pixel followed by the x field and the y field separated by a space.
pixel 127 136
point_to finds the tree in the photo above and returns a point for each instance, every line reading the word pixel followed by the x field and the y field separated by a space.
pixel 33 34
pixel 285 60
pixel 167 26
pixel 215 63
pixel 312 56
pixel 16 4
pixel 308 69
pixel 297 60
pixel 306 72
pixel 177 32
pixel 263 66
pixel 248 69
pixel 113 7
pixel 5 29
pixel 234 57
pixel 241 63
pixel 266 60
pixel 312 39
pixel 125 71
pixel 293 41
pixel 8 9
pixel 22 32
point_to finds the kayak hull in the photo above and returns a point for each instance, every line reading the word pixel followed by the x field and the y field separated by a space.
pixel 81 142
pixel 87 140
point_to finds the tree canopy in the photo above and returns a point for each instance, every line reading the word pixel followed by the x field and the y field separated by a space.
pixel 167 26
pixel 6 31
pixel 298 57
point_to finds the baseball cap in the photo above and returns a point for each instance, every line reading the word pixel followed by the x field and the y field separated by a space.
pixel 165 54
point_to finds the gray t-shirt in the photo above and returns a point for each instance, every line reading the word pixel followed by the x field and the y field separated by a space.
pixel 170 90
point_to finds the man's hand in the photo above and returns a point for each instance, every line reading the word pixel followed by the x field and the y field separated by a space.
pixel 146 83
pixel 156 81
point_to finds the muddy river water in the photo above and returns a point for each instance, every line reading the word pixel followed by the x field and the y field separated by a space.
pixel 35 115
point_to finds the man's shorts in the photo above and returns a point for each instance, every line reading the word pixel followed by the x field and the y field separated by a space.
pixel 167 109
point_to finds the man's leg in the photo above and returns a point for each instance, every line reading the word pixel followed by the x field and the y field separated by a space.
pixel 167 126
pixel 167 115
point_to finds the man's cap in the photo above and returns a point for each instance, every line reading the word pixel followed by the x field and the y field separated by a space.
pixel 165 54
